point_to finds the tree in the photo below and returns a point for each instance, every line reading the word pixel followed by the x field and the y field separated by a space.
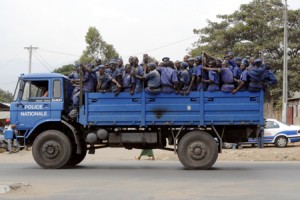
pixel 65 70
pixel 97 48
pixel 256 28
pixel 5 96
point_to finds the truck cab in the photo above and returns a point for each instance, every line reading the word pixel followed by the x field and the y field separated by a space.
pixel 38 98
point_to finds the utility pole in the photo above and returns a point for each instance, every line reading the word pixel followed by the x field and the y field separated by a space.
pixel 30 56
pixel 285 66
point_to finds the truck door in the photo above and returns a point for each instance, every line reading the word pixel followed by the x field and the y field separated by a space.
pixel 57 103
pixel 34 104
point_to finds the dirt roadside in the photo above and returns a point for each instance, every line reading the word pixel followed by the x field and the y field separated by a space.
pixel 247 153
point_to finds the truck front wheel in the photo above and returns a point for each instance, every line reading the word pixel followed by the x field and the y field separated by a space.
pixel 77 158
pixel 197 150
pixel 52 149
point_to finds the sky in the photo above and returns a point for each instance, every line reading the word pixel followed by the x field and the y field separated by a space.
pixel 58 28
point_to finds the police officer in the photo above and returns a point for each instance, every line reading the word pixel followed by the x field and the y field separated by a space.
pixel 113 72
pixel 137 70
pixel 256 75
pixel 168 77
pixel 193 75
pixel 226 76
pixel 152 77
pixel 75 73
pixel 120 66
pixel 244 78
pixel 201 75
pixel 231 60
pixel 88 86
pixel 269 79
pixel 185 58
pixel 184 80
pixel 103 80
pixel 237 71
pixel 213 77
pixel 130 61
pixel 128 80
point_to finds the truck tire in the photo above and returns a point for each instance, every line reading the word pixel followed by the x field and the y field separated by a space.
pixel 197 150
pixel 52 149
pixel 78 158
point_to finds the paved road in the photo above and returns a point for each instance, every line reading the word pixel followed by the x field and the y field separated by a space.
pixel 154 180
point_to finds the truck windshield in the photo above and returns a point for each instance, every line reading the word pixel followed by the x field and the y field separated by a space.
pixel 17 90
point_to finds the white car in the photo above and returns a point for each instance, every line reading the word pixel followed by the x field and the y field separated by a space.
pixel 277 133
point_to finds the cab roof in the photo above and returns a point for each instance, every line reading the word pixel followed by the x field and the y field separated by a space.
pixel 43 75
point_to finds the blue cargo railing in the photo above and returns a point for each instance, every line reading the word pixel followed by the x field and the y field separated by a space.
pixel 196 109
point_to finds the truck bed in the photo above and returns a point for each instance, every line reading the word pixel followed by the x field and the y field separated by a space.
pixel 196 109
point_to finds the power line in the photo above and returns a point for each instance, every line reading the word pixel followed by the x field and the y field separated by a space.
pixel 40 56
pixel 61 53
pixel 11 59
pixel 166 45
pixel 45 66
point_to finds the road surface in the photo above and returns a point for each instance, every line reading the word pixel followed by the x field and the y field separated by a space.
pixel 131 179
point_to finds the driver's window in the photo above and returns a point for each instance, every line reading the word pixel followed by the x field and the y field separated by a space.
pixel 35 89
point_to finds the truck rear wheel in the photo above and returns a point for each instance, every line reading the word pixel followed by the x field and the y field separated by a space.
pixel 52 149
pixel 197 150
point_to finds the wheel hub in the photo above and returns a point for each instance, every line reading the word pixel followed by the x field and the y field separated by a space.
pixel 50 149
pixel 197 151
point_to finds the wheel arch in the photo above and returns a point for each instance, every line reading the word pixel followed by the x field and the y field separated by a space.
pixel 63 126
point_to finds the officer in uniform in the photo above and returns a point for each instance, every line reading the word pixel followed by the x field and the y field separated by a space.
pixel 244 78
pixel 168 77
pixel 128 80
pixel 237 71
pixel 201 75
pixel 184 80
pixel 120 66
pixel 226 77
pixel 88 86
pixel 153 79
pixel 137 70
pixel 185 58
pixel 231 60
pixel 269 79
pixel 256 75
pixel 213 77
pixel 103 80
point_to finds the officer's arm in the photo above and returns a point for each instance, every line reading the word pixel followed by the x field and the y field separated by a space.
pixel 191 84
pixel 242 83
pixel 116 82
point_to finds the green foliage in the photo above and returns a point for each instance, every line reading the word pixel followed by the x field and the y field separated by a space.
pixel 5 96
pixel 65 70
pixel 256 28
pixel 97 48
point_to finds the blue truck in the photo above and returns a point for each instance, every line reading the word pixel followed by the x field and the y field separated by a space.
pixel 194 126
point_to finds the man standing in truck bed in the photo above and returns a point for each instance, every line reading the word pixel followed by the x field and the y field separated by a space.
pixel 88 80
pixel 168 77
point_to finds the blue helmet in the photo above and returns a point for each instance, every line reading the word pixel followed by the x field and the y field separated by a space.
pixel 199 58
pixel 184 64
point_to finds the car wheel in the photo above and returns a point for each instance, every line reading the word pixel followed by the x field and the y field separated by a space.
pixel 281 141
